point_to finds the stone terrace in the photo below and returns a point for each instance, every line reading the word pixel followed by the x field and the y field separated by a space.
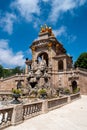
pixel 72 116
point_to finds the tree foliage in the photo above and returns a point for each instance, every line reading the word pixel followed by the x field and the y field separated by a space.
pixel 4 72
pixel 81 61
pixel 1 71
pixel 17 70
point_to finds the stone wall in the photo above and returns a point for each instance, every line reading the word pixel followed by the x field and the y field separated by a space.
pixel 11 82
pixel 64 79
pixel 83 81
pixel 58 79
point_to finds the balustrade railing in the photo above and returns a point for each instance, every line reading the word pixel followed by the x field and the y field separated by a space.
pixel 53 103
pixel 16 114
pixel 5 117
pixel 30 110
pixel 75 96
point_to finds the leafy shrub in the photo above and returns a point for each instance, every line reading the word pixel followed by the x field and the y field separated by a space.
pixel 67 91
pixel 76 90
pixel 42 91
pixel 16 91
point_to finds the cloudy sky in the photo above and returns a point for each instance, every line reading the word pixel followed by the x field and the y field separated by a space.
pixel 20 22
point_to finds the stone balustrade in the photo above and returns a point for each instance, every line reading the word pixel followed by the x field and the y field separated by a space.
pixel 74 96
pixel 16 114
pixel 58 102
pixel 31 110
pixel 5 117
pixel 20 76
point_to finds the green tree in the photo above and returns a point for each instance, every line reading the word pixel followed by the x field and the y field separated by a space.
pixel 7 72
pixel 1 71
pixel 17 70
pixel 81 61
pixel 4 72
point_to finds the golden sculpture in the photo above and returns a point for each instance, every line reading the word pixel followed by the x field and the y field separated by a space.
pixel 45 28
pixel 50 44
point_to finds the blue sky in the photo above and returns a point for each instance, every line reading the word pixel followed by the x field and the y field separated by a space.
pixel 20 22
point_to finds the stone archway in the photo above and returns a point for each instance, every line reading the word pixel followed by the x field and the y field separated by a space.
pixel 43 56
pixel 74 86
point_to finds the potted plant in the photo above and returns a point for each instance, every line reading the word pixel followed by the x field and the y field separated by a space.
pixel 76 90
pixel 67 91
pixel 43 93
pixel 16 94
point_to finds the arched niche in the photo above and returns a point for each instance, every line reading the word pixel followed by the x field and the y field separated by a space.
pixel 74 86
pixel 43 56
pixel 60 65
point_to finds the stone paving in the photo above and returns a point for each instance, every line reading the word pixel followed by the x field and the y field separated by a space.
pixel 70 117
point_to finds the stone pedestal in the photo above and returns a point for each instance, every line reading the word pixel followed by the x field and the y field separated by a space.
pixel 17 116
pixel 69 99
pixel 45 106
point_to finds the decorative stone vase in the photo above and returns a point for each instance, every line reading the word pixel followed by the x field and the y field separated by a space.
pixel 15 96
pixel 44 96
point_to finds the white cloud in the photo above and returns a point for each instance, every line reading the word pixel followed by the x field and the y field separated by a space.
pixel 71 38
pixel 3 44
pixel 27 8
pixel 61 6
pixel 8 57
pixel 7 21
pixel 60 31
pixel 81 2
pixel 37 23
pixel 45 0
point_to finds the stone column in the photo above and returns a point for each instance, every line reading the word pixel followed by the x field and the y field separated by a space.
pixel 64 64
pixel 33 53
pixel 69 99
pixel 50 52
pixel 26 69
pixel 17 115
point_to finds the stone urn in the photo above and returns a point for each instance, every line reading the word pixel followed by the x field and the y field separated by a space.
pixel 43 93
pixel 16 95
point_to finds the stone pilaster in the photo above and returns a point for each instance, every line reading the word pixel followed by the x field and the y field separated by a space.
pixel 64 64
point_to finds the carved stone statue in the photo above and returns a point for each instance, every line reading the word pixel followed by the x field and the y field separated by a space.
pixel 42 65
pixel 46 75
pixel 30 74
pixel 50 64
pixel 38 74
pixel 34 65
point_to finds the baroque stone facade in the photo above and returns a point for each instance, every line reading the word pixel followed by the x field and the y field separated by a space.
pixel 49 61
pixel 58 63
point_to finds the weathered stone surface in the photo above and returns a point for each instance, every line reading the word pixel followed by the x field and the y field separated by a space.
pixel 48 56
